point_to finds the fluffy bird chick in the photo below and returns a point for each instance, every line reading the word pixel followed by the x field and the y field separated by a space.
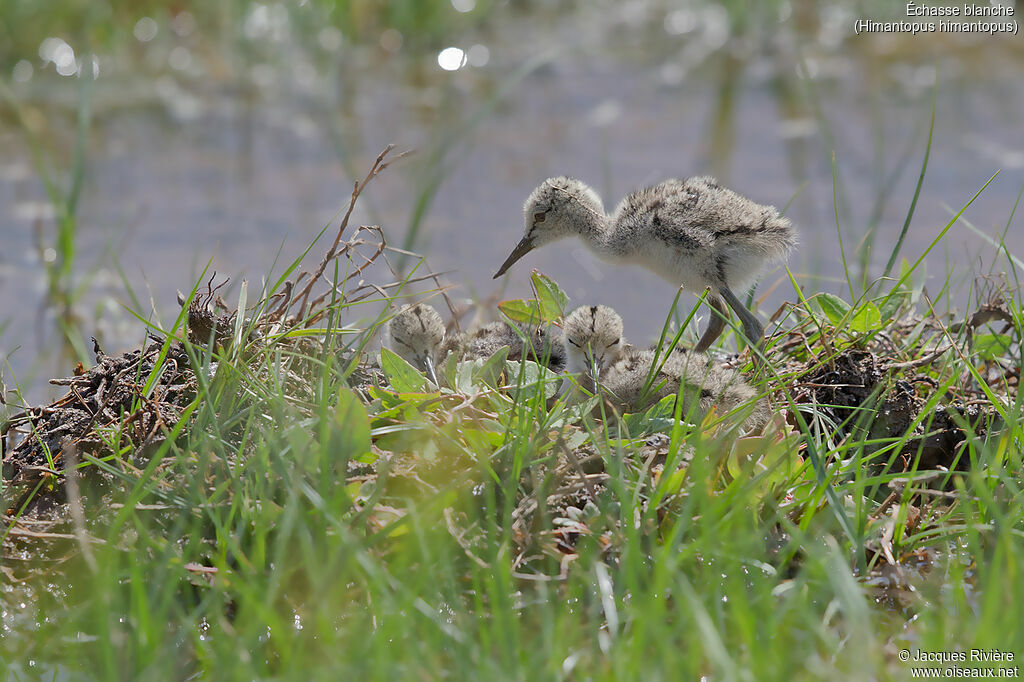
pixel 541 344
pixel 593 341
pixel 548 347
pixel 693 233
pixel 417 336
pixel 704 385
pixel 630 376
pixel 729 390
pixel 633 388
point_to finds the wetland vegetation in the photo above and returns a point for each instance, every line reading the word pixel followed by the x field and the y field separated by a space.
pixel 255 489
pixel 271 501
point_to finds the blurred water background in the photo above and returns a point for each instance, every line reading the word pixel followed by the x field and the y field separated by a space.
pixel 140 140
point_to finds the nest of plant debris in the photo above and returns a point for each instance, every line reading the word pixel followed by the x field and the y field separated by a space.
pixel 131 403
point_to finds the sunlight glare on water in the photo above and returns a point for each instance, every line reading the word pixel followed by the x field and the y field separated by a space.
pixel 391 40
pixel 478 55
pixel 145 29
pixel 451 58
pixel 56 50
pixel 267 22
pixel 22 72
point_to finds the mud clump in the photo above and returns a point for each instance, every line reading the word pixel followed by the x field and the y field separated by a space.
pixel 863 398
pixel 109 397
pixel 851 390
pixel 945 433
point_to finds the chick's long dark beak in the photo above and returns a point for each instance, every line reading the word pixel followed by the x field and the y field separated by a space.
pixel 524 246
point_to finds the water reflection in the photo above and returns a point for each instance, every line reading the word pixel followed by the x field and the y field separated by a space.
pixel 145 29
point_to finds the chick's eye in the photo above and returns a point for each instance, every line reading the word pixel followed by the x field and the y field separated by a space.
pixel 539 217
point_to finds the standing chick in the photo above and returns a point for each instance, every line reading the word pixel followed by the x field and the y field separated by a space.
pixel 694 233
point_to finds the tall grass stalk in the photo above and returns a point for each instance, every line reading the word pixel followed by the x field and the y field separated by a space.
pixel 59 255
pixel 917 192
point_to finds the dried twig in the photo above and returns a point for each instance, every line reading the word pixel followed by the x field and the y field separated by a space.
pixel 925 360
pixel 378 165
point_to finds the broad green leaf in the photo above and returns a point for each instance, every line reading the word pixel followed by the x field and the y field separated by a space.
pixel 769 460
pixel 867 318
pixel 533 375
pixel 402 376
pixel 411 437
pixel 916 280
pixel 892 305
pixel 633 424
pixel 450 369
pixel 664 408
pixel 394 405
pixel 674 483
pixel 356 488
pixel 578 438
pixel 351 440
pixel 521 310
pixel 491 369
pixel 481 440
pixel 386 398
pixel 904 268
pixel 659 417
pixel 835 308
pixel 992 346
pixel 465 377
pixel 550 298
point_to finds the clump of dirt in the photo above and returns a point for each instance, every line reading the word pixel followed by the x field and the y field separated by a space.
pixel 861 395
pixel 945 432
pixel 205 324
pixel 851 389
pixel 102 405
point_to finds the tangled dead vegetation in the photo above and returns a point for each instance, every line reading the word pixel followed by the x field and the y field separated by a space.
pixel 121 403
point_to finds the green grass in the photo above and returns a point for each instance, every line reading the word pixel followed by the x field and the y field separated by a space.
pixel 294 525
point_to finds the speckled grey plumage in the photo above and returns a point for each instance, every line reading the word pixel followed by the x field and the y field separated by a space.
pixel 594 343
pixel 416 334
pixel 691 232
pixel 593 339
pixel 542 344
pixel 706 385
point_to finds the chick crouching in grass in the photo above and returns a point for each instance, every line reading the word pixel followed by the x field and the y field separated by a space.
pixel 634 379
pixel 417 334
